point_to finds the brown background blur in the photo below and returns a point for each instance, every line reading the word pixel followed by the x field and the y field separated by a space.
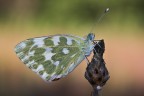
pixel 122 29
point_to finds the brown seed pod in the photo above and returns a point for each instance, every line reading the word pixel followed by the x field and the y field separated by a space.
pixel 96 71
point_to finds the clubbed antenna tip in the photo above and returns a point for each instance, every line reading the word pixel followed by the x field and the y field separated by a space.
pixel 106 10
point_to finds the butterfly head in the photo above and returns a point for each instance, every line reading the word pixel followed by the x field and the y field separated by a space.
pixel 90 36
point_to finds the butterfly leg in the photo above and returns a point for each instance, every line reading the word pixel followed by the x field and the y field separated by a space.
pixel 94 50
pixel 96 43
pixel 87 59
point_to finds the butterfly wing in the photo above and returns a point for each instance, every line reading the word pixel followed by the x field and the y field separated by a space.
pixel 51 57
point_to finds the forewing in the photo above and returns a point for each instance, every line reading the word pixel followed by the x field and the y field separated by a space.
pixel 51 57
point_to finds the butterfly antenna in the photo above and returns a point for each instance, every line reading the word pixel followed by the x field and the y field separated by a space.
pixel 96 22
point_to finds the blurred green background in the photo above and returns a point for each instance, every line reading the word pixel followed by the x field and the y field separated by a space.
pixel 122 29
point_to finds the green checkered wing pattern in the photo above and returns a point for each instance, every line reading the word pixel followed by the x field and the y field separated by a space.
pixel 52 57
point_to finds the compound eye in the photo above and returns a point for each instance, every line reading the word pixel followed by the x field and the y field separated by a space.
pixel 91 36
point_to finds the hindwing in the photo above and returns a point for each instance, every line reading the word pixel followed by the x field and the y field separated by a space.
pixel 51 57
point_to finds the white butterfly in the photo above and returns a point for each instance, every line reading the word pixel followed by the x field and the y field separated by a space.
pixel 54 57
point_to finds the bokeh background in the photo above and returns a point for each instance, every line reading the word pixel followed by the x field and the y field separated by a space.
pixel 122 29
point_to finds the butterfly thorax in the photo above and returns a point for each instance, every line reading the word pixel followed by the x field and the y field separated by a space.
pixel 88 47
pixel 88 44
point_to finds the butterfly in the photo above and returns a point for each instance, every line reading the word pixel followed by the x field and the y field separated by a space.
pixel 54 57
